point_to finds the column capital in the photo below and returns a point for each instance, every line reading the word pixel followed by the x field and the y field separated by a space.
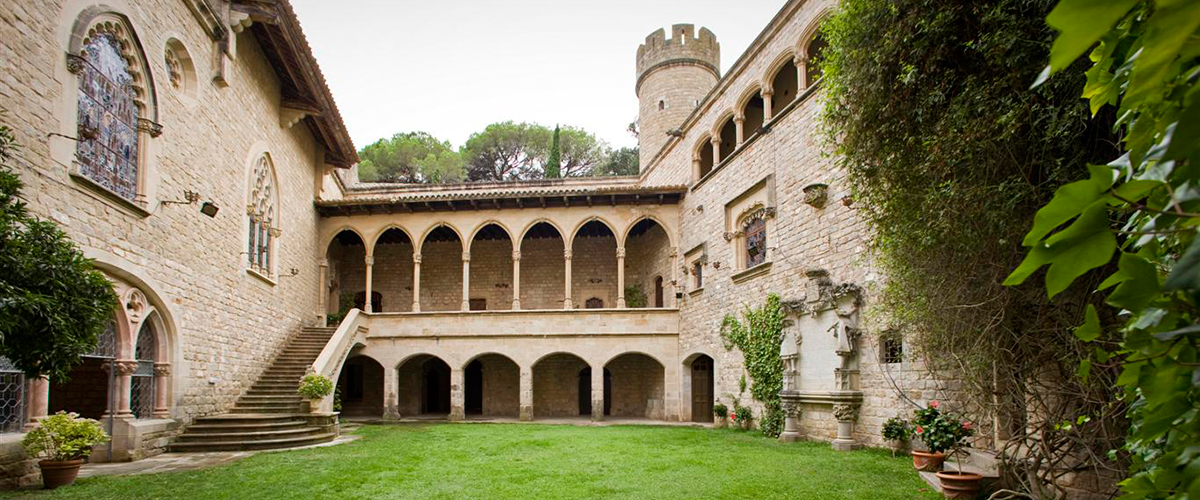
pixel 620 252
pixel 162 369
pixel 323 262
pixel 466 256
pixel 739 118
pixel 369 260
pixel 417 259
pixel 845 413
pixel 126 366
pixel 715 140
pixel 516 255
pixel 567 254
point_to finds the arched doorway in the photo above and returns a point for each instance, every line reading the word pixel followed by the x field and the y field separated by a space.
pixel 702 389
pixel 556 391
pixel 658 291
pixel 424 386
pixel 360 387
pixel 87 390
pixel 141 384
pixel 346 255
pixel 637 387
pixel 492 387
pixel 585 392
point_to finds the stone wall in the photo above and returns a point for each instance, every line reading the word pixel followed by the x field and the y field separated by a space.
pixel 556 386
pixel 637 387
pixel 501 386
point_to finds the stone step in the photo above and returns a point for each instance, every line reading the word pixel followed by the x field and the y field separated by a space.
pixel 267 408
pixel 232 426
pixel 252 435
pixel 265 444
pixel 272 391
pixel 249 418
pixel 270 398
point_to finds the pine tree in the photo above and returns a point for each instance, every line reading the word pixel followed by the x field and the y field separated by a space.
pixel 554 161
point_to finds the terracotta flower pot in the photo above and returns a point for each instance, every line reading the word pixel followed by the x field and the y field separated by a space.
pixel 957 484
pixel 926 461
pixel 59 473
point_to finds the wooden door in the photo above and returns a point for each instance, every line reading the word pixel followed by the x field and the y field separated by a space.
pixel 702 389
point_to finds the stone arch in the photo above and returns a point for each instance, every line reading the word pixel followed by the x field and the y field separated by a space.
pixel 361 383
pixel 751 107
pixel 543 265
pixel 595 245
pixel 379 234
pixel 392 251
pixel 491 385
pixel 638 385
pixel 811 40
pixel 99 19
pixel 332 235
pixel 346 268
pixel 434 227
pixel 490 222
pixel 525 230
pixel 557 387
pixel 810 31
pixel 640 218
pixel 423 385
pixel 648 248
pixel 784 82
pixel 788 55
pixel 702 156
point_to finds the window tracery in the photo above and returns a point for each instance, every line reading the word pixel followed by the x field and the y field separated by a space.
pixel 108 114
pixel 261 213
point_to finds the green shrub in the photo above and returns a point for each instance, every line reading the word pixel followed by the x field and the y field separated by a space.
pixel 635 296
pixel 64 436
pixel 315 386
pixel 896 429
pixel 721 411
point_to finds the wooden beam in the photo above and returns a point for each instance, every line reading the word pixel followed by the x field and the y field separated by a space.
pixel 259 12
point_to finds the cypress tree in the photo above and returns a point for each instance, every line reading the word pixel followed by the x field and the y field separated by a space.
pixel 554 161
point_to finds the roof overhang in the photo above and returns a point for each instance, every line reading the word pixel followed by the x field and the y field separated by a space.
pixel 302 86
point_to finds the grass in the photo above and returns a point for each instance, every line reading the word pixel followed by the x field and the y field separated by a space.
pixel 531 461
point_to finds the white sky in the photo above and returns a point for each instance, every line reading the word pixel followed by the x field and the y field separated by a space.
pixel 450 67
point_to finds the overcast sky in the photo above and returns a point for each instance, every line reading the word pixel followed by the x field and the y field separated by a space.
pixel 450 67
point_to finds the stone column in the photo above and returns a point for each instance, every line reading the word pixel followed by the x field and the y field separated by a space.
pixel 766 97
pixel 124 380
pixel 567 304
pixel 516 258
pixel 162 390
pixel 716 150
pixel 801 75
pixel 620 277
pixel 791 422
pixel 416 282
pixel 322 293
pixel 696 166
pixel 526 395
pixel 846 415
pixel 597 393
pixel 466 281
pixel 391 379
pixel 739 123
pixel 370 261
pixel 37 391
pixel 457 395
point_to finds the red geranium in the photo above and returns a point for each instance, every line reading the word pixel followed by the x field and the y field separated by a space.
pixel 934 404
pixel 920 430
pixel 966 425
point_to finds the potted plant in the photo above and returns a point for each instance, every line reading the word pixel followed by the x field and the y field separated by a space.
pixel 314 387
pixel 929 460
pixel 63 441
pixel 720 415
pixel 948 432
pixel 896 430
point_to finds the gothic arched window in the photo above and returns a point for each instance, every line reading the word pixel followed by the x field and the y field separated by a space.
pixel 114 105
pixel 142 384
pixel 262 213
pixel 755 231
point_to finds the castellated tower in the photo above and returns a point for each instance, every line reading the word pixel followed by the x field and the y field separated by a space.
pixel 673 75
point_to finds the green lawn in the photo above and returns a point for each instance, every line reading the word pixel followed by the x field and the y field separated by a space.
pixel 532 461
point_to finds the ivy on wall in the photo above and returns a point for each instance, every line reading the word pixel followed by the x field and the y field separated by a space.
pixel 758 336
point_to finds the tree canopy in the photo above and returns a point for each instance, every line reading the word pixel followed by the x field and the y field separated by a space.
pixel 53 303
pixel 503 151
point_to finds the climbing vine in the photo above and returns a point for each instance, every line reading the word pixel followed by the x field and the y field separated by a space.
pixel 758 336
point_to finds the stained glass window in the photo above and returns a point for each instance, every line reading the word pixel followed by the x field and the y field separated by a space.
pixel 141 396
pixel 108 117
pixel 756 241
pixel 261 213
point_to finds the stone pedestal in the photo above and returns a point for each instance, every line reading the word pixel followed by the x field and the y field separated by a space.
pixel 791 422
pixel 845 415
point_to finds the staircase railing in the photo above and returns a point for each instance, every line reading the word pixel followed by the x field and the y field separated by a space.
pixel 351 332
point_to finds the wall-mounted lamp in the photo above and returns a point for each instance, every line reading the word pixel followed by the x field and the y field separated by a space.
pixel 190 198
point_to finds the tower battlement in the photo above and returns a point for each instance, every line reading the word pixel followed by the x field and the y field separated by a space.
pixel 683 47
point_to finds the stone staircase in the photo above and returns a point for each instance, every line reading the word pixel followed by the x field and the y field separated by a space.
pixel 270 415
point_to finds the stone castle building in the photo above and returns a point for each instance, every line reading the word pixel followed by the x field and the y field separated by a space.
pixel 193 149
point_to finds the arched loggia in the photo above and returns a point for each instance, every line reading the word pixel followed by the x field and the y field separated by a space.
pixel 647 260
